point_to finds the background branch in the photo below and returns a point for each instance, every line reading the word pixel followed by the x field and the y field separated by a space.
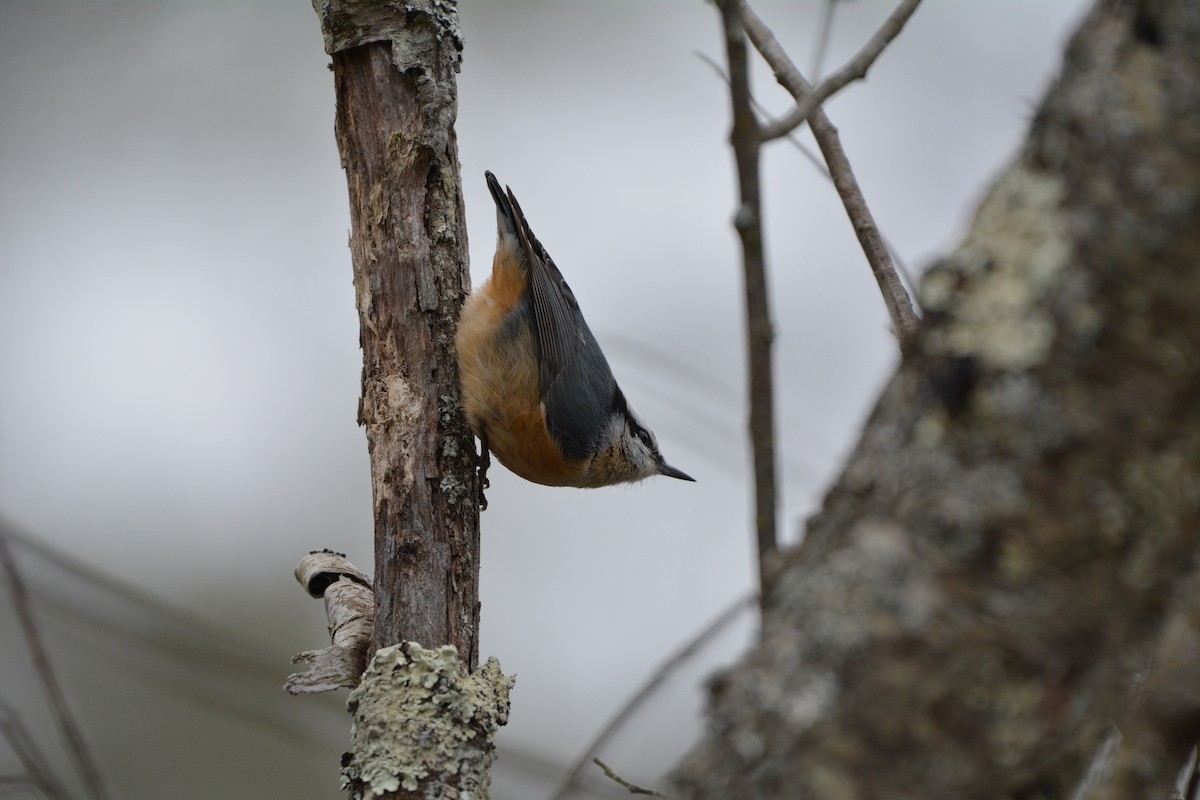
pixel 37 770
pixel 633 788
pixel 744 138
pixel 1159 726
pixel 638 699
pixel 824 35
pixel 846 185
pixel 855 69
pixel 77 746
pixel 895 297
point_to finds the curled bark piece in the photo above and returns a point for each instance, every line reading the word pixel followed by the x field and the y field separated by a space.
pixel 350 608
pixel 320 568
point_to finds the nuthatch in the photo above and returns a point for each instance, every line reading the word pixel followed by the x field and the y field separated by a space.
pixel 536 387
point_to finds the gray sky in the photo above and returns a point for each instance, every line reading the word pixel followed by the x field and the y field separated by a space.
pixel 179 363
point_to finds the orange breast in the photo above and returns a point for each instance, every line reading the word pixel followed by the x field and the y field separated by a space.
pixel 500 381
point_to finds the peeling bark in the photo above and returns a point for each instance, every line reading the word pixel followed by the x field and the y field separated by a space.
pixel 999 565
pixel 394 68
pixel 350 609
pixel 424 719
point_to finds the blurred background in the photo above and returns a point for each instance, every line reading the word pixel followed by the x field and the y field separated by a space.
pixel 179 367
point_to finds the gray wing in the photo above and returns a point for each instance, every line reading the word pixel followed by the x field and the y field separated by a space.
pixel 577 384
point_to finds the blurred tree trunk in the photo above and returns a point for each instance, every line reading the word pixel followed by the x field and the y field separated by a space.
pixel 395 67
pixel 1000 575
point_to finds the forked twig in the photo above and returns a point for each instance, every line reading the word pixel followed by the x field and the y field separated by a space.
pixel 822 168
pixel 895 296
pixel 855 69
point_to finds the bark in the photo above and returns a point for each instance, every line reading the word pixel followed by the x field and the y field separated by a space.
pixel 424 721
pixel 1002 572
pixel 423 727
pixel 350 609
pixel 394 68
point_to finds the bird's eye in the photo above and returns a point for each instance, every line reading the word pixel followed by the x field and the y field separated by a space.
pixel 644 435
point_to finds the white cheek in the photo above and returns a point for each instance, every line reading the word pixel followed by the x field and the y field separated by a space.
pixel 642 458
pixel 616 430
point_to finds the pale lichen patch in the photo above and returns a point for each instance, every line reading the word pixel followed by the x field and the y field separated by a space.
pixel 421 720
pixel 403 403
pixel 880 570
pixel 1012 258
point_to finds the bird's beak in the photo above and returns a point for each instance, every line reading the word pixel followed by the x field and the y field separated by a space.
pixel 666 469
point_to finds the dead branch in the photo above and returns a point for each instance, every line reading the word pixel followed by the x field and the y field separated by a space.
pixel 394 67
pixel 824 35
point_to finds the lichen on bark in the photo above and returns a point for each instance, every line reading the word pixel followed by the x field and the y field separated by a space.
pixel 994 572
pixel 418 714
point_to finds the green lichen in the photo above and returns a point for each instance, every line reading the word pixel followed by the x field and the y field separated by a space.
pixel 1012 258
pixel 422 722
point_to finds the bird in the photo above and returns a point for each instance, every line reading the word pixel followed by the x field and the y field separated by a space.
pixel 536 387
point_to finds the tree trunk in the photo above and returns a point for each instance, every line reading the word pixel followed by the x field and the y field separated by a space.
pixel 1004 559
pixel 423 722
pixel 394 72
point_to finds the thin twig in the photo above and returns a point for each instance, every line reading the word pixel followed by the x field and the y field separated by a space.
pixel 824 34
pixel 895 297
pixel 632 787
pixel 855 69
pixel 821 167
pixel 76 745
pixel 812 157
pixel 905 321
pixel 37 772
pixel 652 684
pixel 760 333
